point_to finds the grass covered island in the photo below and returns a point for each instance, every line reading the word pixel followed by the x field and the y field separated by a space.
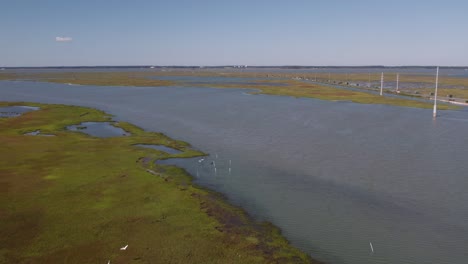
pixel 73 198
pixel 281 84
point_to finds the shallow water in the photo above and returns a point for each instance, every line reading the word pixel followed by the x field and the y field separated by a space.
pixel 240 84
pixel 206 80
pixel 38 133
pixel 160 147
pixel 333 176
pixel 14 111
pixel 33 133
pixel 459 72
pixel 99 129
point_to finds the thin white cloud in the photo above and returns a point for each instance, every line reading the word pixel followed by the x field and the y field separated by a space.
pixel 63 39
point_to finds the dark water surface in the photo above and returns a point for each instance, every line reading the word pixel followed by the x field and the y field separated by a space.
pixel 17 110
pixel 454 72
pixel 207 80
pixel 334 176
pixel 160 147
pixel 99 129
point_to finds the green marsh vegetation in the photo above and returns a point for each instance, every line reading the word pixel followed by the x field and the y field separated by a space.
pixel 73 198
pixel 291 87
pixel 92 78
pixel 310 90
pixel 8 76
pixel 410 84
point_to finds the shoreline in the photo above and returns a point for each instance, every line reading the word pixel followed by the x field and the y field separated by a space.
pixel 262 239
pixel 288 87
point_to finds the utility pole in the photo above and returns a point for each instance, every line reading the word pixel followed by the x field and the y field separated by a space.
pixel 397 81
pixel 381 84
pixel 434 113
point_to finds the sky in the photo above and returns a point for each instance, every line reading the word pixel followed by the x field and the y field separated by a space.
pixel 242 32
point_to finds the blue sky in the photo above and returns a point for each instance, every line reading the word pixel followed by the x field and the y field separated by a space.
pixel 209 32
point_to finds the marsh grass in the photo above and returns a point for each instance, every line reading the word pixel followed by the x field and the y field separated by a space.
pixel 8 76
pixel 73 198
pixel 92 78
pixel 309 90
pixel 267 86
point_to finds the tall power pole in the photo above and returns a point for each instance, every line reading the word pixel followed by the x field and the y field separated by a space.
pixel 397 81
pixel 381 84
pixel 434 113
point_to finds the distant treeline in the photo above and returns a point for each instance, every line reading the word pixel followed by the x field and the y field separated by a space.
pixel 235 66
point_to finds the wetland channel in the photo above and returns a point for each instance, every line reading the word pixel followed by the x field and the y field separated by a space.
pixel 334 176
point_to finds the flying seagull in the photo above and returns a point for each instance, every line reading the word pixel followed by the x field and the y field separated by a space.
pixel 124 248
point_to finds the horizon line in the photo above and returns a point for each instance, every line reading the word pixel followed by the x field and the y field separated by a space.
pixel 233 66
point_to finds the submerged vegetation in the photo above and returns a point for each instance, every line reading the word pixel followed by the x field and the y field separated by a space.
pixel 73 198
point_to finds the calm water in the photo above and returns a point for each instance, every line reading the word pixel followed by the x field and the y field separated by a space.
pixel 160 147
pixel 99 129
pixel 423 71
pixel 206 80
pixel 13 111
pixel 333 176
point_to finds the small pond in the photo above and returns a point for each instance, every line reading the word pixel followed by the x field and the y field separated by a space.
pixel 14 111
pixel 38 133
pixel 99 129
pixel 160 147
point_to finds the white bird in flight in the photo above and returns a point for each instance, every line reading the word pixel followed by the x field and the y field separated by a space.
pixel 124 248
